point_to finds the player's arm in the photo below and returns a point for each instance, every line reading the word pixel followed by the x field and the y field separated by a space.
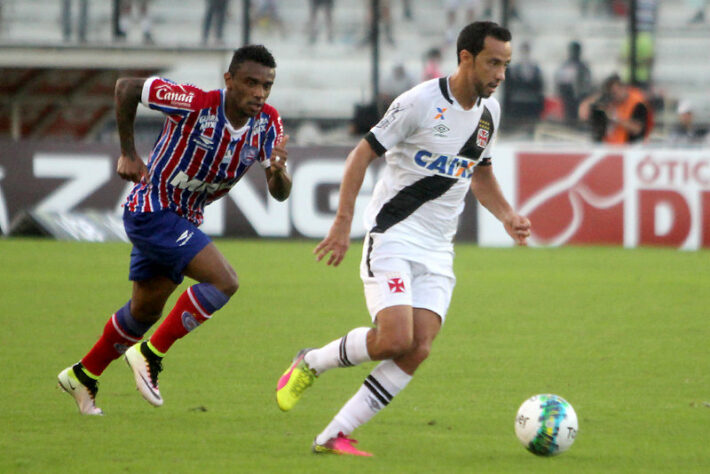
pixel 338 239
pixel 277 177
pixel 127 96
pixel 485 187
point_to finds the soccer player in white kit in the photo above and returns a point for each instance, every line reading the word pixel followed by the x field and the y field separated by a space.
pixel 436 139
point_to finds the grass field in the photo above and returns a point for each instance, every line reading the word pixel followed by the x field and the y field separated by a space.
pixel 623 335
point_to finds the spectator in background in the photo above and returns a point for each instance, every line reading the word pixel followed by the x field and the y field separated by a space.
pixel 573 81
pixel 81 23
pixel 123 14
pixel 513 12
pixel 597 7
pixel 215 14
pixel 453 13
pixel 1 18
pixel 327 7
pixel 524 95
pixel 267 14
pixel 646 17
pixel 619 114
pixel 700 6
pixel 685 132
pixel 470 10
pixel 432 65
pixel 398 81
pixel 407 10
pixel 385 17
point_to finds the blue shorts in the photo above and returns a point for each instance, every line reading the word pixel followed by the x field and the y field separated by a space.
pixel 163 244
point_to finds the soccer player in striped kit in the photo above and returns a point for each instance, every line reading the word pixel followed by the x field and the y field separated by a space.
pixel 209 140
pixel 436 139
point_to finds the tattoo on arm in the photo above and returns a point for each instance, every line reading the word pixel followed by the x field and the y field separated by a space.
pixel 127 97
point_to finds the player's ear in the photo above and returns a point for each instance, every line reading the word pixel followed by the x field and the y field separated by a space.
pixel 228 79
pixel 465 57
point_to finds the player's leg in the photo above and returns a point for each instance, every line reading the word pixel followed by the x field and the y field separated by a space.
pixel 147 304
pixel 217 283
pixel 123 329
pixel 389 378
pixel 392 336
pixel 387 288
pixel 388 294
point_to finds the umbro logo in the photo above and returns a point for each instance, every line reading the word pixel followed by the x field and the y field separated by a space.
pixel 205 142
pixel 182 240
pixel 441 130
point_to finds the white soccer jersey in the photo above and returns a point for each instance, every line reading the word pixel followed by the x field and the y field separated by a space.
pixel 432 146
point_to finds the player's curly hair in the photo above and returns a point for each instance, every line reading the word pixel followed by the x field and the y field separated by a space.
pixel 473 36
pixel 252 52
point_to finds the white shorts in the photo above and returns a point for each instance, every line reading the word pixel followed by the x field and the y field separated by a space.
pixel 398 280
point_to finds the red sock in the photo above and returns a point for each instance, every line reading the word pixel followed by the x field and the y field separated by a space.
pixel 113 342
pixel 187 314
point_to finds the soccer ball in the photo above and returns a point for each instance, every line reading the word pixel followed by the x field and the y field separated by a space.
pixel 546 425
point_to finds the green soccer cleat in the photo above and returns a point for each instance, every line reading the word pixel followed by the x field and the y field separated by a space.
pixel 297 378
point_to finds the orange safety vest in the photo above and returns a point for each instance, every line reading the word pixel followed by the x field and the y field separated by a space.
pixel 617 134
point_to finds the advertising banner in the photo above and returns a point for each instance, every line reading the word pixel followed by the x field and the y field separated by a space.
pixel 75 184
pixel 605 196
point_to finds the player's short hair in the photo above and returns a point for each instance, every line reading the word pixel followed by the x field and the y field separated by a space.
pixel 473 36
pixel 252 52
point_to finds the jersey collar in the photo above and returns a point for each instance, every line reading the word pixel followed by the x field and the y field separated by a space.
pixel 445 88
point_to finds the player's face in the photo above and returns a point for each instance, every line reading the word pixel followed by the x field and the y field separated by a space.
pixel 249 87
pixel 489 66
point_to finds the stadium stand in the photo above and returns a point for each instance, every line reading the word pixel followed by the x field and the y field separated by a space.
pixel 320 82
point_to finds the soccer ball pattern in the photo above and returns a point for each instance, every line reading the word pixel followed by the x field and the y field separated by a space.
pixel 546 424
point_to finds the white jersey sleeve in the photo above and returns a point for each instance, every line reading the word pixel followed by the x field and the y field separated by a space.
pixel 400 121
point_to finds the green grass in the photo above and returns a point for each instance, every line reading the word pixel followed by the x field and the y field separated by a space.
pixel 622 334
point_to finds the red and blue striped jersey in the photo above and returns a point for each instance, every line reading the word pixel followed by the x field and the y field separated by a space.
pixel 198 156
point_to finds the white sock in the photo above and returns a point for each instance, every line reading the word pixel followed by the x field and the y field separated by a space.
pixel 376 392
pixel 346 351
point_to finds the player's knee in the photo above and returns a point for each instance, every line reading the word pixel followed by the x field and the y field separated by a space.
pixel 146 312
pixel 420 352
pixel 398 346
pixel 229 283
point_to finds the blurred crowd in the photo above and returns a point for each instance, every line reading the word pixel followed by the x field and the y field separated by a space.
pixel 623 107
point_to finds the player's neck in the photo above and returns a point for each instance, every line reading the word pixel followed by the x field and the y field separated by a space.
pixel 464 95
pixel 236 119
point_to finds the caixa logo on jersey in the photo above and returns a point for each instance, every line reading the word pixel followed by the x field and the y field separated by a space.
pixel 452 166
pixel 634 197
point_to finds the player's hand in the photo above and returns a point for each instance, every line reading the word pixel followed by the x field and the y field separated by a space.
pixel 279 155
pixel 518 227
pixel 131 168
pixel 336 243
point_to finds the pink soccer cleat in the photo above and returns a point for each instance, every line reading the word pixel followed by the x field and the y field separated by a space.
pixel 341 444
